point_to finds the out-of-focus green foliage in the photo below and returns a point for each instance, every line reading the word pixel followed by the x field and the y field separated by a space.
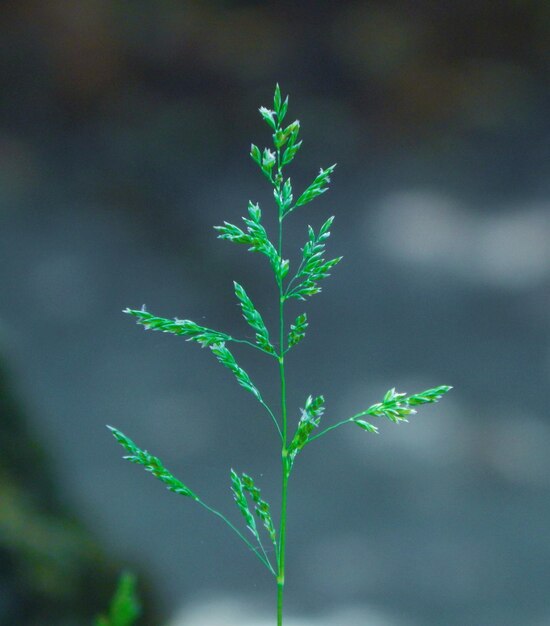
pixel 125 607
pixel 52 571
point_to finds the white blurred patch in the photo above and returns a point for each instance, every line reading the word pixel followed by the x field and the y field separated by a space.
pixel 354 565
pixel 510 250
pixel 222 611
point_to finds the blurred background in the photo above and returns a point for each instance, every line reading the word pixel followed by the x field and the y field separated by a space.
pixel 124 136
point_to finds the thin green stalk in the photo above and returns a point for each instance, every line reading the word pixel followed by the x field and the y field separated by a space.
pixel 273 418
pixel 294 278
pixel 369 411
pixel 395 406
pixel 324 432
pixel 284 451
pixel 284 486
pixel 251 344
pixel 263 559
pixel 282 545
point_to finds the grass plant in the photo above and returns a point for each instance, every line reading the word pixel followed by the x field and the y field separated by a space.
pixel 294 434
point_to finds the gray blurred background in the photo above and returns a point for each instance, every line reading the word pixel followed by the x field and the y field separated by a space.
pixel 124 136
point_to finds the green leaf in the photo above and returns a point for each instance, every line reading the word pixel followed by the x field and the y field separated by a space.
pixel 283 197
pixel 255 236
pixel 279 105
pixel 279 138
pixel 429 396
pixel 398 406
pixel 282 112
pixel 283 135
pixel 277 99
pixel 269 117
pixel 269 159
pixel 187 328
pixel 254 319
pixel 317 187
pixel 227 359
pixel 151 464
pixel 256 154
pixel 394 406
pixel 297 330
pixel 313 268
pixel 125 607
pixel 290 152
pixel 393 395
pixel 366 426
pixel 324 232
pixel 242 504
pixel 283 268
pixel 311 416
pixel 235 234
pixel 292 131
pixel 287 136
pixel 261 508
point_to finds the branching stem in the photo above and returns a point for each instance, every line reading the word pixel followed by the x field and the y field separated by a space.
pixel 324 432
pixel 273 418
pixel 295 277
pixel 252 345
pixel 263 558
pixel 346 421
pixel 304 283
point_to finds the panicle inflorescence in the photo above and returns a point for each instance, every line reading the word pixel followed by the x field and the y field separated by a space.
pixel 297 330
pixel 226 358
pixel 187 328
pixel 262 508
pixel 254 319
pixel 242 503
pixel 398 406
pixel 317 187
pixel 311 416
pixel 151 464
pixel 256 237
pixel 313 267
pixel 305 282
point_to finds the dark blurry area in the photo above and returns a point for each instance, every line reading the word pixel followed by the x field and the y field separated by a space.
pixel 124 136
pixel 52 571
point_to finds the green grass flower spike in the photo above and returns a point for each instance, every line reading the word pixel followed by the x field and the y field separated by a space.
pixel 295 433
